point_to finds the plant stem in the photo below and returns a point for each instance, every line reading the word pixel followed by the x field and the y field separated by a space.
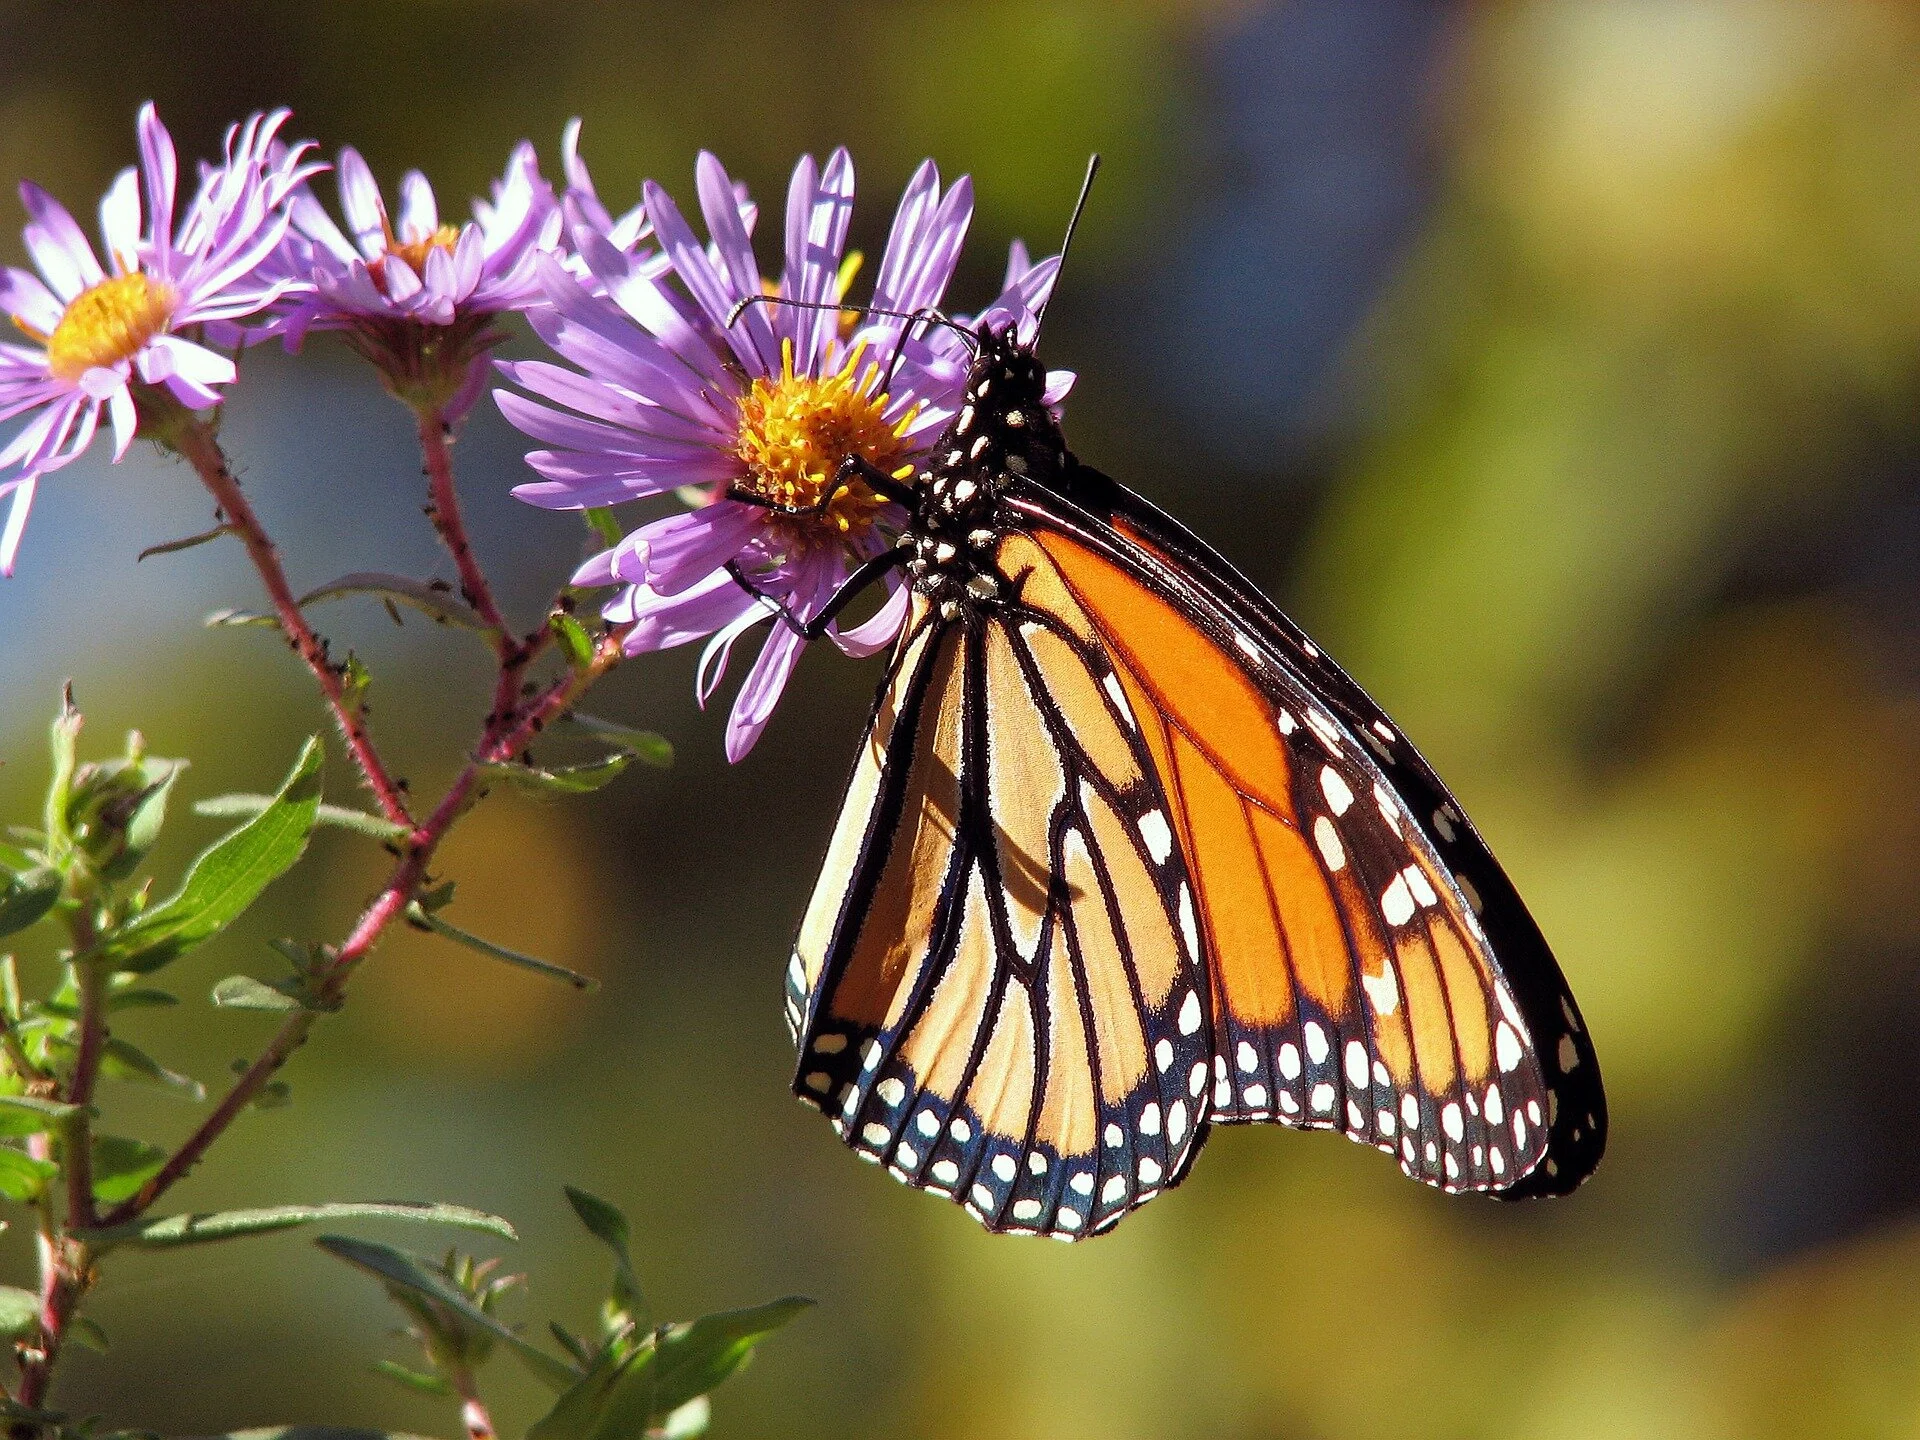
pixel 436 448
pixel 473 1410
pixel 194 439
pixel 90 978
pixel 385 908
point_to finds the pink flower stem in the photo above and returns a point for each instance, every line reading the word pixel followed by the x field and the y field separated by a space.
pixel 504 742
pixel 436 449
pixel 194 439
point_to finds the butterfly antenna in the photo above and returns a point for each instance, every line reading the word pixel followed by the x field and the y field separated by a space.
pixel 1066 242
pixel 912 317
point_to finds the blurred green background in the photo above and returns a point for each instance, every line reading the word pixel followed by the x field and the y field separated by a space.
pixel 1557 364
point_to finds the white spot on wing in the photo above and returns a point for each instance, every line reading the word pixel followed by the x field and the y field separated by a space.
pixel 1356 1065
pixel 1334 786
pixel 1189 1012
pixel 1506 1048
pixel 1317 1047
pixel 892 1091
pixel 1396 905
pixel 1383 990
pixel 1247 1058
pixel 1159 838
pixel 1290 1061
pixel 1328 839
pixel 1116 693
pixel 1189 932
pixel 1322 1097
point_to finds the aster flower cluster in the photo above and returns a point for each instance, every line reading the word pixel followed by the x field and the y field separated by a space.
pixel 700 375
pixel 689 371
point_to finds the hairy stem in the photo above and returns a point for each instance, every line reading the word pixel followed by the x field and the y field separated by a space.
pixel 436 449
pixel 194 439
pixel 90 978
pixel 385 908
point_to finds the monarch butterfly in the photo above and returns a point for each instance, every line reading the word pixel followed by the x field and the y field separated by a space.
pixel 1124 856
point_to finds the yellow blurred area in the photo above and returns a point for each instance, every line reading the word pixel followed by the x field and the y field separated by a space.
pixel 465 1011
pixel 1619 517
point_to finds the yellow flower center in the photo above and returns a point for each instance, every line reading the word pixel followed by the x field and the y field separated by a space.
pixel 107 324
pixel 414 252
pixel 797 430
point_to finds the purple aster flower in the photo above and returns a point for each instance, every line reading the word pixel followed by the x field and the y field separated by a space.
pixel 119 338
pixel 415 296
pixel 753 418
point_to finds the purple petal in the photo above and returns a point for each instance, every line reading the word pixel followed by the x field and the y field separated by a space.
pixel 120 221
pixel 16 521
pixel 23 295
pixel 697 274
pixel 760 691
pixel 735 251
pixel 125 420
pixel 419 215
pixel 683 550
pixel 160 170
pixel 360 202
pixel 56 244
pixel 878 631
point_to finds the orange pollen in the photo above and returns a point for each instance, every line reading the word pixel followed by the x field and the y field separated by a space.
pixel 797 430
pixel 415 252
pixel 107 324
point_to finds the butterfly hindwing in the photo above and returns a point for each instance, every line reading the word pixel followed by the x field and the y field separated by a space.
pixel 993 991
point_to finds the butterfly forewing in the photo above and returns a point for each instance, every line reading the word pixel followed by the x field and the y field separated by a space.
pixel 1357 985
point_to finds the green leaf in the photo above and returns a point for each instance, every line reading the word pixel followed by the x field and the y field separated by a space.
pixel 19 1313
pixel 65 735
pixel 425 919
pixel 645 746
pixel 143 825
pixel 396 1268
pixel 22 1115
pixel 567 780
pixel 605 525
pixel 609 1226
pixel 121 1061
pixel 692 1360
pixel 122 1165
pixel 87 1333
pixel 243 992
pixel 571 1343
pixel 573 639
pixel 228 877
pixel 412 1379
pixel 208 1227
pixel 438 604
pixel 235 619
pixel 22 1177
pixel 228 806
pixel 24 899
pixel 174 547
pixel 623 1398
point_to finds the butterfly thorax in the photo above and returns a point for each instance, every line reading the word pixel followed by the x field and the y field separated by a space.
pixel 1003 434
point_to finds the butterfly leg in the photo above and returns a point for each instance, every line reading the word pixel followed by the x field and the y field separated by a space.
pixel 854 467
pixel 862 577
